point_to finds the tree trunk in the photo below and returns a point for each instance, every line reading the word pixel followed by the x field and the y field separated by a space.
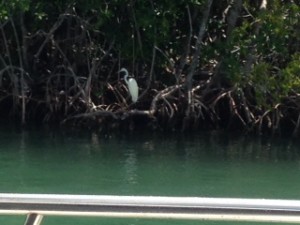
pixel 196 55
pixel 234 11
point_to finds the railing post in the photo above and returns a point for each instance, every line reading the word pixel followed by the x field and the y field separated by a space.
pixel 33 219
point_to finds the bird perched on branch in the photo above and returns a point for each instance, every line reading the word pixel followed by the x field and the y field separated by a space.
pixel 131 84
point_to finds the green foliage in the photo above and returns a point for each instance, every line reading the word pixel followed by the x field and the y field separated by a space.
pixel 291 75
pixel 266 85
pixel 136 26
pixel 8 8
pixel 271 87
pixel 277 31
pixel 270 37
pixel 274 41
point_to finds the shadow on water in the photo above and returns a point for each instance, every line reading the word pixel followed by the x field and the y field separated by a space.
pixel 220 145
pixel 133 146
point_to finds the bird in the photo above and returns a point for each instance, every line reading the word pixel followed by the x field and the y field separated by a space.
pixel 131 84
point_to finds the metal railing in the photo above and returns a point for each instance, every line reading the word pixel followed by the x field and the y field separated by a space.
pixel 36 206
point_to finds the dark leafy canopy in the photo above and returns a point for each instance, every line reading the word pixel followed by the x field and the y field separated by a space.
pixel 199 63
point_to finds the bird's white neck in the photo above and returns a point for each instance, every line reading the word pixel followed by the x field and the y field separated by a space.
pixel 126 78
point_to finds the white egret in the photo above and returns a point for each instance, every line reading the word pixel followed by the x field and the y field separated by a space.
pixel 131 84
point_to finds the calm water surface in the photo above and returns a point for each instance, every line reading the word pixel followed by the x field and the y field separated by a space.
pixel 205 165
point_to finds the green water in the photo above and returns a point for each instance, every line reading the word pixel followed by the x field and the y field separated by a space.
pixel 205 165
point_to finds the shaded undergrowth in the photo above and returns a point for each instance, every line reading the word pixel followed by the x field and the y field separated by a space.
pixel 217 72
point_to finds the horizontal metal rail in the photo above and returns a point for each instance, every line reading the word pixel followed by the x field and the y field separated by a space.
pixel 35 206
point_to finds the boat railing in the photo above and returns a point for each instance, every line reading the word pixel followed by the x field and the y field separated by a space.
pixel 37 206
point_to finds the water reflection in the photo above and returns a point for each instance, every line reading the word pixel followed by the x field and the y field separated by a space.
pixel 130 166
pixel 218 145
pixel 252 148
